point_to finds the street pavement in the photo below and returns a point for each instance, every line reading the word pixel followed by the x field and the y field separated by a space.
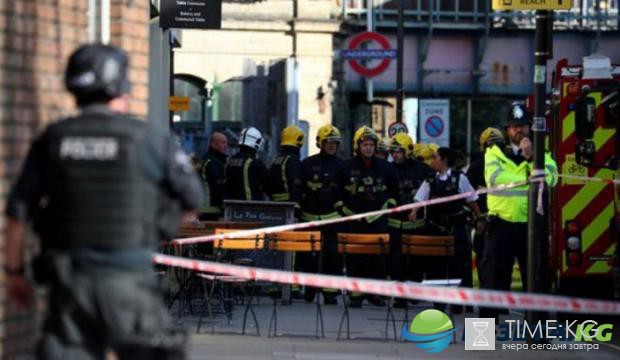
pixel 222 340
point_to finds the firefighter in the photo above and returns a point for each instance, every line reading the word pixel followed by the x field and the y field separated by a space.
pixel 214 177
pixel 410 175
pixel 382 149
pixel 448 218
pixel 369 184
pixel 247 177
pixel 320 199
pixel 417 151
pixel 284 174
pixel 508 210
pixel 490 136
pixel 92 184
pixel 285 170
pixel 425 153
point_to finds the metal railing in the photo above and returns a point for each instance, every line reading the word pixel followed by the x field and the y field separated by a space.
pixel 586 15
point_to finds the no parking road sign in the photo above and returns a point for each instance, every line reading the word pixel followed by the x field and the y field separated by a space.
pixel 355 53
pixel 435 121
pixel 434 126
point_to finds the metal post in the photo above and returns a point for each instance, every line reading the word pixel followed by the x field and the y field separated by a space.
pixel 105 21
pixel 171 79
pixel 469 131
pixel 370 26
pixel 537 244
pixel 400 91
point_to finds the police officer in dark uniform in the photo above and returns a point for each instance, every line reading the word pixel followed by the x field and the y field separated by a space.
pixel 410 174
pixel 247 177
pixel 369 183
pixel 448 218
pixel 320 181
pixel 93 185
pixel 285 170
pixel 214 177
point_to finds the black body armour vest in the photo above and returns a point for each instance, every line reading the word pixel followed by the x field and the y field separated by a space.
pixel 100 195
pixel 442 188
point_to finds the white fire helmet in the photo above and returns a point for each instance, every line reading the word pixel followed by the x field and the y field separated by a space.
pixel 251 137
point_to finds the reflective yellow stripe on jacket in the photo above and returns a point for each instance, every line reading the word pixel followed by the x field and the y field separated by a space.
pixel 312 217
pixel 246 179
pixel 371 219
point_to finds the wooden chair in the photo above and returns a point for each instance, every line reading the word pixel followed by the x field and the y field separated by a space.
pixel 363 244
pixel 297 242
pixel 224 248
pixel 433 247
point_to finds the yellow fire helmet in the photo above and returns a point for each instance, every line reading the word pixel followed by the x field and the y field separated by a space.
pixel 433 147
pixel 292 136
pixel 417 150
pixel 490 136
pixel 403 142
pixel 427 153
pixel 364 133
pixel 327 133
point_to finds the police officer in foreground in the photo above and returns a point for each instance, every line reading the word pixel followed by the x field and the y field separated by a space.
pixel 490 136
pixel 214 177
pixel 508 209
pixel 321 197
pixel 93 184
pixel 247 177
pixel 369 183
pixel 410 174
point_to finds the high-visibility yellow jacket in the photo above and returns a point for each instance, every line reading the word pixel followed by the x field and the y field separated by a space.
pixel 511 204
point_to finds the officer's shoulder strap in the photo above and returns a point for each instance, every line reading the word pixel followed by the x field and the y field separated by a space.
pixel 456 176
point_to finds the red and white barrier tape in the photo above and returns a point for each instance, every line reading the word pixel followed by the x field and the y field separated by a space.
pixel 409 290
pixel 313 224
pixel 592 179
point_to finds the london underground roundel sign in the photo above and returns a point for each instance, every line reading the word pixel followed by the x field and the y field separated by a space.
pixel 354 53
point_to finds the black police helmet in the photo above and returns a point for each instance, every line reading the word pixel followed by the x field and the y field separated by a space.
pixel 518 115
pixel 97 73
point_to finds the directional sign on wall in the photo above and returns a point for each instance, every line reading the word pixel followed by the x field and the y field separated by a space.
pixel 191 14
pixel 532 4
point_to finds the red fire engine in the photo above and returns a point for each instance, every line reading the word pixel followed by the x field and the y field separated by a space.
pixel 585 141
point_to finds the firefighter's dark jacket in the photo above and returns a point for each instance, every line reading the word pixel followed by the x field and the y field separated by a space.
pixel 285 176
pixel 320 183
pixel 247 177
pixel 214 180
pixel 410 175
pixel 367 186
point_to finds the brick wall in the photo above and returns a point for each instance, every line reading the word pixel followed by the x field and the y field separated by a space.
pixel 36 37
